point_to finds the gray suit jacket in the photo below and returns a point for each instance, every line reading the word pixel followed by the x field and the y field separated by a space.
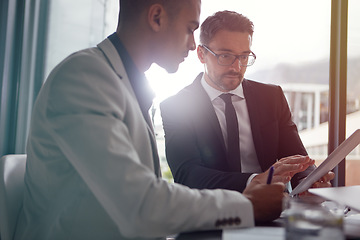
pixel 90 167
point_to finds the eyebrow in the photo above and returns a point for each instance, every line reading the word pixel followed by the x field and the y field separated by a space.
pixel 228 50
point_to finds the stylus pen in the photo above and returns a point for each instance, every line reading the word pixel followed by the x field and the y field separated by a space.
pixel 270 176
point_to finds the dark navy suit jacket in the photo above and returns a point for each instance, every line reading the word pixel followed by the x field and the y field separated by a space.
pixel 195 148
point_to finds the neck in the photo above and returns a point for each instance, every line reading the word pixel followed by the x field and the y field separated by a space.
pixel 134 44
pixel 214 84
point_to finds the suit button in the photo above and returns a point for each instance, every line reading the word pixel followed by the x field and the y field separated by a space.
pixel 218 223
pixel 225 221
pixel 221 222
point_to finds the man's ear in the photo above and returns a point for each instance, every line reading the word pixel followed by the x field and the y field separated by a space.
pixel 156 17
pixel 201 54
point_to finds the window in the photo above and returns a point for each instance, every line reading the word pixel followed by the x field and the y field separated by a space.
pixel 352 166
pixel 71 30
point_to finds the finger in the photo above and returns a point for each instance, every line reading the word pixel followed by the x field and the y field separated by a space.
pixel 281 179
pixel 296 159
pixel 282 168
pixel 306 193
pixel 321 184
pixel 289 169
pixel 328 177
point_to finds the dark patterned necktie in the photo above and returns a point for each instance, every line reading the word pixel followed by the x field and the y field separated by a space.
pixel 232 128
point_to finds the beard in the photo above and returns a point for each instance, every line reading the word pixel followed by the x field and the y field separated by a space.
pixel 230 80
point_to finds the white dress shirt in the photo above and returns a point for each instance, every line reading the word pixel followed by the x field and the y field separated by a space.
pixel 249 161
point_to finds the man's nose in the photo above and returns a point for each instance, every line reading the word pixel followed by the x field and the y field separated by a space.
pixel 237 65
pixel 192 44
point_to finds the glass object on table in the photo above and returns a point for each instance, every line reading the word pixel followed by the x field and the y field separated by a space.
pixel 310 218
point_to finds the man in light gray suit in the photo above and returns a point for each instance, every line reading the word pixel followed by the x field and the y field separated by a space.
pixel 92 168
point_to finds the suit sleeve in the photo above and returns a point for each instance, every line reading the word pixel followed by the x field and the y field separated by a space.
pixel 190 151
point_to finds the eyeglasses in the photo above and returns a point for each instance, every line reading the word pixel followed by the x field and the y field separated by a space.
pixel 228 59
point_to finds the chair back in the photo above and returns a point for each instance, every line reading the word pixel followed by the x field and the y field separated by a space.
pixel 12 171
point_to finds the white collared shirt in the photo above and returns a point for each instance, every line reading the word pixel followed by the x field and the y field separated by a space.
pixel 249 161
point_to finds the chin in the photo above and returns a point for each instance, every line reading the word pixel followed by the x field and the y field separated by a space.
pixel 171 65
pixel 171 69
pixel 231 86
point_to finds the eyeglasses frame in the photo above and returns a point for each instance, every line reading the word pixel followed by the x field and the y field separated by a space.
pixel 236 57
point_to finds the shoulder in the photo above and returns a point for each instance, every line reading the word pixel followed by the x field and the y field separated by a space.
pixel 88 68
pixel 254 88
pixel 185 96
pixel 175 103
pixel 85 80
pixel 247 83
pixel 77 67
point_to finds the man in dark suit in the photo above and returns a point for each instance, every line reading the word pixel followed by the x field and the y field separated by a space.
pixel 200 146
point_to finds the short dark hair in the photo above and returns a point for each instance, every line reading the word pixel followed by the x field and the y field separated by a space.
pixel 130 10
pixel 224 20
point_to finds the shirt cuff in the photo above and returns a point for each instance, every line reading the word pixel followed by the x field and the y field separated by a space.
pixel 251 178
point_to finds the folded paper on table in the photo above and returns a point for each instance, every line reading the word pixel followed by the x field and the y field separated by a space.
pixel 348 196
pixel 329 163
pixel 255 233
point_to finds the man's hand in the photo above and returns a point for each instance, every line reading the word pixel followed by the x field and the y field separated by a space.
pixel 324 181
pixel 266 200
pixel 286 168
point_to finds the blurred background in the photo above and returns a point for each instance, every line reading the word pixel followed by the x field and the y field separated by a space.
pixel 291 42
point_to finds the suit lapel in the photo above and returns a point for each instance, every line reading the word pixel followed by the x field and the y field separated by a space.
pixel 116 63
pixel 254 115
pixel 154 150
pixel 207 117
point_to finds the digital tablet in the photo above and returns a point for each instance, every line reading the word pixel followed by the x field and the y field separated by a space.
pixel 329 163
